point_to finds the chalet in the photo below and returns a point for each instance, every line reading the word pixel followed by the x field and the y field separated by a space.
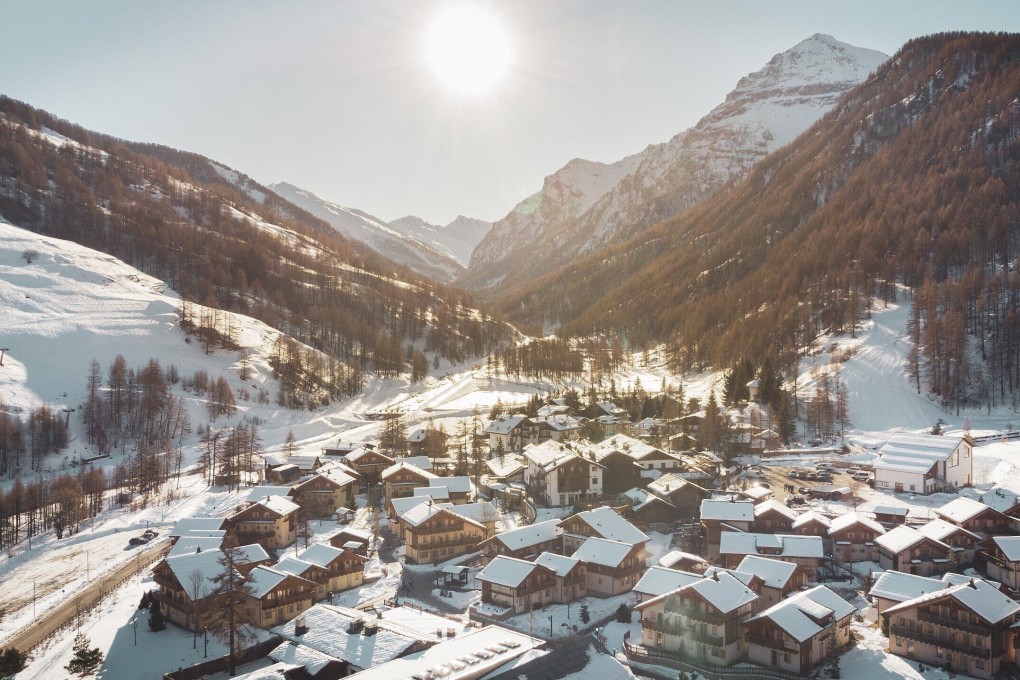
pixel 894 587
pixel 620 470
pixel 458 489
pixel 276 597
pixel 853 538
pixel 525 542
pixel 557 428
pixel 306 462
pixel 369 463
pixel 186 583
pixel 699 621
pixel 195 526
pixel 602 522
pixel 889 516
pixel 777 578
pixel 571 576
pixel 344 567
pixel 964 543
pixel 975 517
pixel 757 493
pixel 924 463
pixel 417 440
pixel 907 549
pixel 507 468
pixel 804 551
pixel 434 534
pixel 341 449
pixel 257 493
pixel 1001 557
pixel 612 567
pixel 321 495
pixel 612 425
pixel 683 561
pixel 517 585
pixel 357 540
pixel 285 473
pixel 510 434
pixel 794 635
pixel 965 628
pixel 684 494
pixel 646 507
pixel 772 517
pixel 722 516
pixel 661 580
pixel 646 455
pixel 608 408
pixel 555 407
pixel 306 570
pixel 483 512
pixel 559 475
pixel 271 522
pixel 811 523
pixel 401 478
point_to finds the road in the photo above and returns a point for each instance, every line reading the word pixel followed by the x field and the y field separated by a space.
pixel 27 638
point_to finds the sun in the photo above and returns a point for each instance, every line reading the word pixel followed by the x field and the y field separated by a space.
pixel 468 49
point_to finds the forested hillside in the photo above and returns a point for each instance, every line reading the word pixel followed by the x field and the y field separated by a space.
pixel 912 178
pixel 220 239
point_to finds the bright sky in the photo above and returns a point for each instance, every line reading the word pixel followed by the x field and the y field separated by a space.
pixel 344 98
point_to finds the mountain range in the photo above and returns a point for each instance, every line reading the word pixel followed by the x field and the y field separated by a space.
pixel 586 205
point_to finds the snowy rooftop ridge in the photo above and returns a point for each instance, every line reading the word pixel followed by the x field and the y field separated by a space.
pixel 981 597
pixel 797 614
pixel 530 535
pixel 610 525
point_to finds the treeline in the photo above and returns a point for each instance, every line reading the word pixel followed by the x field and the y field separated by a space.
pixel 170 214
pixel 913 177
pixel 229 455
pixel 44 431
pixel 136 407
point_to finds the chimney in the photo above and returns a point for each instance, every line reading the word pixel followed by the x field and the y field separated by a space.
pixel 300 625
pixel 715 575
pixel 972 584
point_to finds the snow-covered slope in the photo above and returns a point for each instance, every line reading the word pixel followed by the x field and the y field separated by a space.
pixel 585 205
pixel 413 243
pixel 457 239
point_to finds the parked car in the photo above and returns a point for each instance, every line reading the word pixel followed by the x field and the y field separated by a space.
pixel 804 490
pixel 139 540
pixel 796 474
pixel 853 471
pixel 151 533
pixel 811 476
pixel 823 477
pixel 861 476
pixel 823 466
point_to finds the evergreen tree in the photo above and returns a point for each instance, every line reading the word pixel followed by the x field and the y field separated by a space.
pixel 832 652
pixel 85 661
pixel 585 614
pixel 12 661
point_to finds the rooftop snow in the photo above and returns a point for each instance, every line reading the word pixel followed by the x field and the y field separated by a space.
pixel 1010 546
pixel 661 580
pixel 811 516
pixel 189 524
pixel 774 573
pixel 257 493
pixel 915 452
pixel 530 535
pixel 561 564
pixel 939 530
pixel 603 552
pixel 900 586
pixel 796 614
pixel 851 518
pixel 978 595
pixel 727 511
pixel 773 505
pixel 402 464
pixel 901 538
pixel 504 424
pixel 506 571
pixel 676 556
pixel 461 484
pixel 610 525
pixel 961 509
pixel 737 543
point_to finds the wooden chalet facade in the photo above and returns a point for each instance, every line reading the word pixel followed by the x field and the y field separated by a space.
pixel 277 597
pixel 435 534
pixel 517 585
pixel 853 538
pixel 272 523
pixel 685 495
pixel 401 479
pixel 908 550
pixel 322 495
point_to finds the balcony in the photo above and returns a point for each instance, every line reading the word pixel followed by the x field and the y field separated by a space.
pixel 451 543
pixel 929 617
pixel 698 615
pixel 283 601
pixel 946 643
pixel 782 644
pixel 684 631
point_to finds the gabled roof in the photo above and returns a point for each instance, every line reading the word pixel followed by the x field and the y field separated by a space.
pixel 422 462
pixel 207 563
pixel 609 524
pixel 403 465
pixel 257 493
pixel 438 493
pixel 774 573
pixel 641 498
pixel 890 510
pixel 559 423
pixel 721 589
pixel 850 519
pixel 674 557
pixel 670 482
pixel 526 536
pixel 660 580
pixel 293 565
pixel 264 579
pixel 756 493
pixel 727 511
pixel 506 466
pixel 354 456
pixel 737 543
pixel 1010 547
pixel 799 615
pixel 811 516
pixel 603 552
pixel 479 511
pixel 418 436
pixel 900 586
pixel 507 571
pixel 561 564
pixel 773 505
pixel 915 453
pixel 977 595
pixel 424 511
pixel 902 538
pixel 940 530
pixel 459 484
pixel 189 524
pixel 402 505
pixel 962 509
pixel 504 424
pixel 193 544
pixel 635 448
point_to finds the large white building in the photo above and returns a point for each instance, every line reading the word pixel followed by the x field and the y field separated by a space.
pixel 924 463
pixel 560 474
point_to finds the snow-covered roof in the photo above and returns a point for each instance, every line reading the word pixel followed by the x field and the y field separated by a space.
pixel 506 466
pixel 669 483
pixel 756 493
pixel 423 511
pixel 737 543
pixel 940 530
pixel 439 493
pixel 640 498
pixel 561 564
pixel 603 552
pixel 418 436
pixel 532 534
pixel 773 505
pixel 660 580
pixel 192 544
pixel 674 557
pixel 721 589
pixel 300 656
pixel 901 538
pixel 775 573
pixel 811 516
pixel 305 461
pixel 321 554
pixel 459 484
pixel 1010 547
pixel 850 519
pixel 961 509
pixel 900 586
pixel 548 453
pixel 257 493
pixel 404 465
pixel 798 614
pixel 264 579
pixel 355 456
pixel 479 511
pixel 506 571
pixel 635 448
pixel 293 565
pixel 338 473
pixel 504 424
pixel 189 524
pixel 892 510
pixel 560 423
pixel 402 505
pixel 552 410
pixel 281 505
pixel 207 563
pixel 611 525
pixel 979 596
pixel 421 462
pixel 611 409
pixel 915 453
pixel 727 511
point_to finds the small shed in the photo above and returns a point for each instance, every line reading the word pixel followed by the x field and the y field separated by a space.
pixel 453 575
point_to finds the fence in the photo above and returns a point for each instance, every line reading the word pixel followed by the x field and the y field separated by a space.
pixel 655 657
pixel 222 663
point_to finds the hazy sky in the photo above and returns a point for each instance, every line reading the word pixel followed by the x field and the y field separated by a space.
pixel 337 97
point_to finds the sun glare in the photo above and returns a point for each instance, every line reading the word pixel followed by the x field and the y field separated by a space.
pixel 467 48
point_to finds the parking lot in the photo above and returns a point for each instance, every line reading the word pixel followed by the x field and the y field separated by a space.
pixel 778 478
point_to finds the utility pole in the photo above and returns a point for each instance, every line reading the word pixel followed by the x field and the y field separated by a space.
pixel 3 350
pixel 67 418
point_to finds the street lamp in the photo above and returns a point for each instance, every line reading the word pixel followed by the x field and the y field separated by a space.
pixel 205 634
